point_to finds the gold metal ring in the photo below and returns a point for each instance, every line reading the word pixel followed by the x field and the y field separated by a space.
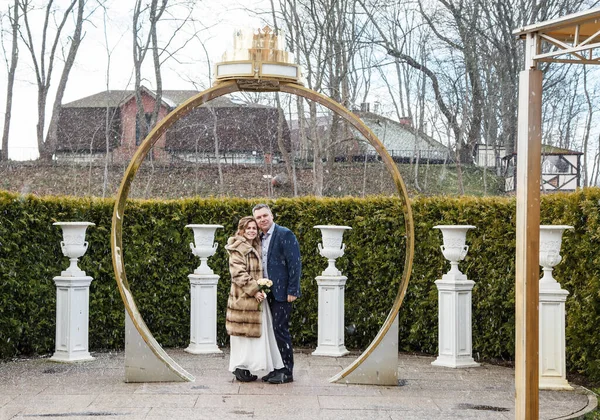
pixel 221 89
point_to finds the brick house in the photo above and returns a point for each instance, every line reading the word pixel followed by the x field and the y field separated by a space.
pixel 244 133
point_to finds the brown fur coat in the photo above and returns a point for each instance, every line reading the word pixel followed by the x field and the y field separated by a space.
pixel 243 315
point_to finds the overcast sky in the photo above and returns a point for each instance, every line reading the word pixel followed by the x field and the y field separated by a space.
pixel 89 74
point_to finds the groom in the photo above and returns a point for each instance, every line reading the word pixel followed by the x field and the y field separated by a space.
pixel 281 263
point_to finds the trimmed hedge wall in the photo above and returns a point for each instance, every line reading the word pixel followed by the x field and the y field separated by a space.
pixel 158 260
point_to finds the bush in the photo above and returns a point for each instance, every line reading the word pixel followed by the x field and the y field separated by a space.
pixel 158 261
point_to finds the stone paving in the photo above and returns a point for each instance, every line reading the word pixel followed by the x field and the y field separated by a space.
pixel 39 388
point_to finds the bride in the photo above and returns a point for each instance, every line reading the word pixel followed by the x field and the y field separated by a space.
pixel 249 324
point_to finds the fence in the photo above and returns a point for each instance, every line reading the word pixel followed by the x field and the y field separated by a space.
pixel 241 157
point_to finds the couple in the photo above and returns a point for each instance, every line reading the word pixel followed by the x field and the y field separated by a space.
pixel 260 335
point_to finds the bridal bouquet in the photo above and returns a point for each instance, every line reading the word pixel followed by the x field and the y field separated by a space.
pixel 264 285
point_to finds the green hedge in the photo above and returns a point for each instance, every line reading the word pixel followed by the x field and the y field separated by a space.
pixel 158 260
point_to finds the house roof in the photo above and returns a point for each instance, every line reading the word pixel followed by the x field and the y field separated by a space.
pixel 115 98
pixel 398 136
pixel 171 98
pixel 550 150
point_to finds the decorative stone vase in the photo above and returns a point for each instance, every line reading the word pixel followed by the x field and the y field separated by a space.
pixel 73 245
pixel 550 243
pixel 454 248
pixel 203 246
pixel 332 246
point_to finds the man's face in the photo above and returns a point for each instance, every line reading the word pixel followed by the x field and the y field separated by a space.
pixel 264 218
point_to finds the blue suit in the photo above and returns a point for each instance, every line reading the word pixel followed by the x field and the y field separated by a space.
pixel 284 269
pixel 283 264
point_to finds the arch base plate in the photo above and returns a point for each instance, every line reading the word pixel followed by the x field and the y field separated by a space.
pixel 141 364
pixel 381 366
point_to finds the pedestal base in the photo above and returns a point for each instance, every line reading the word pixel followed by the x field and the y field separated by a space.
pixel 330 351
pixel 203 349
pixel 451 362
pixel 555 384
pixel 75 357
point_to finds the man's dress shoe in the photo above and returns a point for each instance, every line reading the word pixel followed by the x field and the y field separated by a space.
pixel 268 376
pixel 244 375
pixel 280 378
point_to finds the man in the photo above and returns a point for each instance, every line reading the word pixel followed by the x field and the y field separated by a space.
pixel 281 263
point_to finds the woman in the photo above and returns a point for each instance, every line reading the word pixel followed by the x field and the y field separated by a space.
pixel 249 324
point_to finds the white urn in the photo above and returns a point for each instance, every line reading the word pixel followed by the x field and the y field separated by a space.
pixel 454 248
pixel 203 245
pixel 550 243
pixel 332 247
pixel 73 245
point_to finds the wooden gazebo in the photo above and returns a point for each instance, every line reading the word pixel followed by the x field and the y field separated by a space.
pixel 570 39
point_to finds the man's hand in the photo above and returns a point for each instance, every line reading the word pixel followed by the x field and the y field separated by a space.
pixel 291 298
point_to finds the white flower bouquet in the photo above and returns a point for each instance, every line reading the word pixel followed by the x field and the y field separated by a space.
pixel 264 285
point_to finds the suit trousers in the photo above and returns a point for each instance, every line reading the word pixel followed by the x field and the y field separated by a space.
pixel 281 312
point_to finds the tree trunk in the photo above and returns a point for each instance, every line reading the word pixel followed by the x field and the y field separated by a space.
pixel 43 71
pixel 588 124
pixel 280 143
pixel 217 151
pixel 317 159
pixel 52 136
pixel 14 58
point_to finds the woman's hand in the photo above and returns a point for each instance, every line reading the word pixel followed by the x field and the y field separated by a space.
pixel 260 296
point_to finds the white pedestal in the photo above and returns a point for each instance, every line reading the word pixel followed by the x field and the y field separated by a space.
pixel 331 316
pixel 203 314
pixel 552 337
pixel 72 319
pixel 454 322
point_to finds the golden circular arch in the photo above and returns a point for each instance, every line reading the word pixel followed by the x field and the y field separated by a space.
pixel 221 89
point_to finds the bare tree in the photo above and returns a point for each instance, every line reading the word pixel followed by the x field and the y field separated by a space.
pixel 287 157
pixel 110 113
pixel 324 34
pixel 44 60
pixel 587 128
pixel 11 65
pixel 141 45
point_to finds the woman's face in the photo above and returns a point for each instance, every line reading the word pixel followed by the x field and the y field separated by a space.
pixel 251 231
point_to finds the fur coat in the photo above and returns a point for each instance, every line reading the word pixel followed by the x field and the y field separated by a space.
pixel 243 314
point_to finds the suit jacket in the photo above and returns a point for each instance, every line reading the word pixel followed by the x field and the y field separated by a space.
pixel 283 264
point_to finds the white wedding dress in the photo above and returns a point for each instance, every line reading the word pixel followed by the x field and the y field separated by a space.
pixel 260 353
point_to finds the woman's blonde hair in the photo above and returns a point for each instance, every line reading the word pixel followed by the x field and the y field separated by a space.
pixel 243 224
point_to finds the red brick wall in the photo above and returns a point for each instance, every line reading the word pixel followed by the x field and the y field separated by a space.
pixel 128 147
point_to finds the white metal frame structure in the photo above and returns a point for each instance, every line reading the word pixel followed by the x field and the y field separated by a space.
pixel 570 39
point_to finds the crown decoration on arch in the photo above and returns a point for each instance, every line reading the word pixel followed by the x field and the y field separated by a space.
pixel 258 60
